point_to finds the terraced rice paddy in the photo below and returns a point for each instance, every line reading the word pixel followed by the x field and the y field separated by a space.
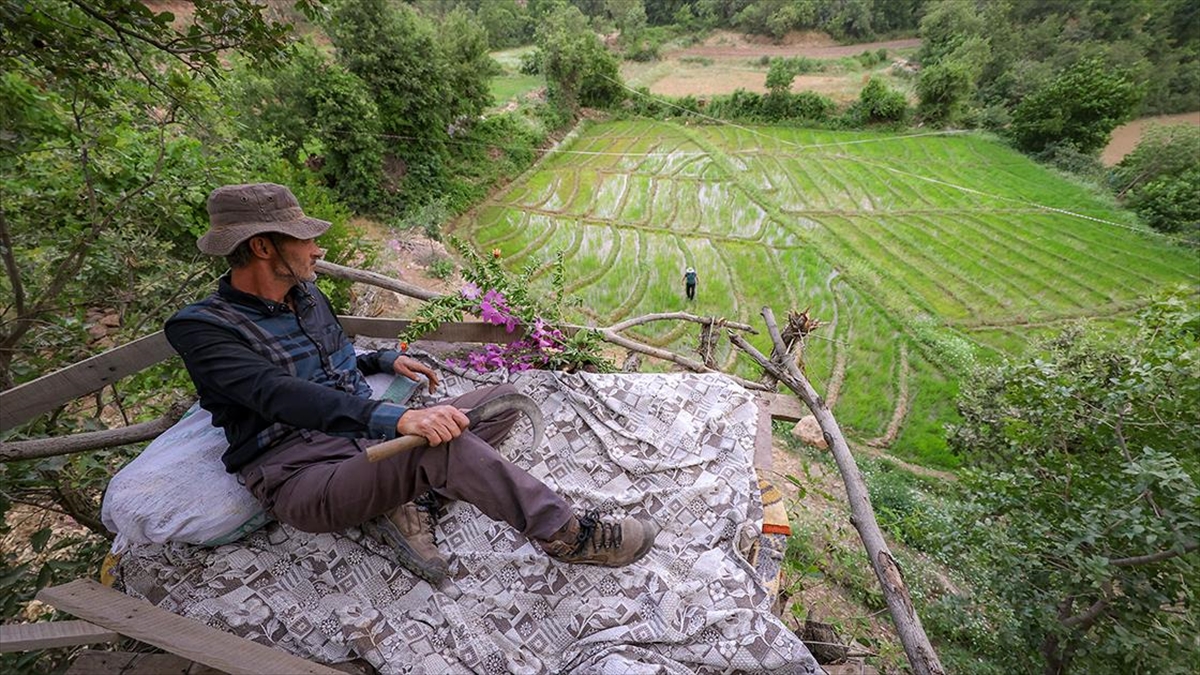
pixel 913 248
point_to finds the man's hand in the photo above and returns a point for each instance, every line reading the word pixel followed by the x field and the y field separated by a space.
pixel 439 424
pixel 410 368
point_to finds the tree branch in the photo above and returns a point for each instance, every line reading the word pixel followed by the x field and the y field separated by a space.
pixel 695 366
pixel 921 655
pixel 1159 556
pixel 375 279
pixel 93 440
pixel 69 267
pixel 680 316
pixel 10 265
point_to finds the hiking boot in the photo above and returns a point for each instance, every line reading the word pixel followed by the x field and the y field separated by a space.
pixel 409 528
pixel 588 541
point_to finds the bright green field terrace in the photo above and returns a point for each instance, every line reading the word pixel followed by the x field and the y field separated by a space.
pixel 916 250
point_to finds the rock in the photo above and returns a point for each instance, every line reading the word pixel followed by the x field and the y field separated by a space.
pixel 97 331
pixel 809 432
pixel 112 320
pixel 822 641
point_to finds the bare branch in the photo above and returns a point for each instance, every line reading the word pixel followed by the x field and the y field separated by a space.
pixel 94 440
pixel 375 279
pixel 633 345
pixel 10 265
pixel 680 316
pixel 1155 557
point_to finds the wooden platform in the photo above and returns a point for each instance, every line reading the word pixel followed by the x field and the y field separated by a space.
pixel 190 639
pixel 193 647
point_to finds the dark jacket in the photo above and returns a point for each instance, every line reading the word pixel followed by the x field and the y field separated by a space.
pixel 264 371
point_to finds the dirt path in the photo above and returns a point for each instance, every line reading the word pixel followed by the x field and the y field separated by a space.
pixel 1125 137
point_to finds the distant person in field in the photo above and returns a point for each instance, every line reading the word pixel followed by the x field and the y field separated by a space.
pixel 689 280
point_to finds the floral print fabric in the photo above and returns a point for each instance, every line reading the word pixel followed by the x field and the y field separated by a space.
pixel 675 448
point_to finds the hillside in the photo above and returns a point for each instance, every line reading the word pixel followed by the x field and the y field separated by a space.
pixel 920 251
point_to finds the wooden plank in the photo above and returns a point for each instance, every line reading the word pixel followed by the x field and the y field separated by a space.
pixel 23 637
pixel 784 407
pixel 450 331
pixel 92 662
pixel 25 402
pixel 188 638
pixel 762 437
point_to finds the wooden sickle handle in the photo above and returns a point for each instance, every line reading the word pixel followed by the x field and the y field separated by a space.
pixel 395 446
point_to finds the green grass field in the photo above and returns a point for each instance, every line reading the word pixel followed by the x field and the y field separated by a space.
pixel 510 87
pixel 511 84
pixel 915 250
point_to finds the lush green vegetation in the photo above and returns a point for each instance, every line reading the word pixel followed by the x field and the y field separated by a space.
pixel 115 124
pixel 939 244
pixel 1067 544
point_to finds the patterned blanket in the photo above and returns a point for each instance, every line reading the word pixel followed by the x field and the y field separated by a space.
pixel 677 448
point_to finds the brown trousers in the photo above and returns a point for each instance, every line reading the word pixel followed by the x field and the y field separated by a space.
pixel 320 483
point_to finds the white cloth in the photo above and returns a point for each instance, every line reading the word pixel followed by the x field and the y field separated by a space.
pixel 177 489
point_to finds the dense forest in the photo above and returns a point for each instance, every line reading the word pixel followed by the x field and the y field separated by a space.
pixel 118 117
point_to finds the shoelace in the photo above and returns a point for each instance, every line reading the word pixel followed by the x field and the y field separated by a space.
pixel 601 534
pixel 429 504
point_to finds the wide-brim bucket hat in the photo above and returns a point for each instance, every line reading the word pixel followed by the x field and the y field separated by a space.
pixel 238 212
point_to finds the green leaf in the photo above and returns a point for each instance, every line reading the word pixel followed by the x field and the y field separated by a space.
pixel 38 539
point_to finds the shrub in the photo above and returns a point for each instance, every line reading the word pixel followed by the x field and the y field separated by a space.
pixel 1171 203
pixel 878 103
pixel 943 90
pixel 1081 107
pixel 1158 179
pixel 442 268
pixel 1086 484
pixel 531 62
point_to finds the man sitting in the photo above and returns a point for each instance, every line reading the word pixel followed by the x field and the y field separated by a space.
pixel 272 365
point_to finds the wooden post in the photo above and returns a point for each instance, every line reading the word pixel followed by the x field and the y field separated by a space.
pixel 917 648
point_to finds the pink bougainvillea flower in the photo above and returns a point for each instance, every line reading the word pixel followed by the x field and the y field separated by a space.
pixel 495 297
pixel 491 314
pixel 477 362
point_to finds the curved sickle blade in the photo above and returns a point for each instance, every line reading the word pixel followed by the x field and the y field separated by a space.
pixel 494 407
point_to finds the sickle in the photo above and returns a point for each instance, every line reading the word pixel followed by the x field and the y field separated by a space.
pixel 488 410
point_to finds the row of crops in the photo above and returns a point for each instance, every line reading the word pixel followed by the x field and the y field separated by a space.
pixel 929 243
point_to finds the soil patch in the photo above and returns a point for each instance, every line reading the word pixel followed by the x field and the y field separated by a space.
pixel 1126 137
pixel 728 45
pixel 726 62
pixel 405 255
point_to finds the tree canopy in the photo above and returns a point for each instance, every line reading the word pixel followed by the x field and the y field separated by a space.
pixel 1086 493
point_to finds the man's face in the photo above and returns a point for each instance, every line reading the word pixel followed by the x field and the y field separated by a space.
pixel 297 259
